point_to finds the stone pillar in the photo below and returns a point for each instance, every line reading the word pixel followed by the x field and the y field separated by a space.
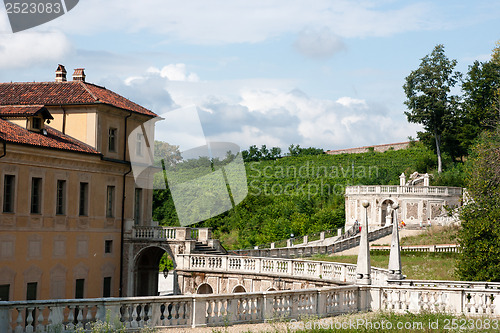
pixel 426 179
pixel 402 179
pixel 395 255
pixel 363 267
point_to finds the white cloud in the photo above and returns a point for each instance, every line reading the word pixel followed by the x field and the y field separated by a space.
pixel 259 112
pixel 175 72
pixel 318 43
pixel 243 21
pixel 23 49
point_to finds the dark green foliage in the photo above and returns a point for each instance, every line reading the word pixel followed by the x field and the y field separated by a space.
pixel 430 103
pixel 480 234
pixel 300 194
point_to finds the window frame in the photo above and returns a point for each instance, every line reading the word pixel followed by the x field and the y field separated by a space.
pixel 110 201
pixel 83 199
pixel 9 199
pixel 61 196
pixel 36 195
pixel 112 139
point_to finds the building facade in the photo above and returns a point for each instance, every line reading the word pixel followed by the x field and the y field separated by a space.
pixel 66 187
pixel 418 203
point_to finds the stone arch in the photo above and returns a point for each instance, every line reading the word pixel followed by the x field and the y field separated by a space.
pixel 205 288
pixel 271 289
pixel 146 263
pixel 239 289
pixel 384 217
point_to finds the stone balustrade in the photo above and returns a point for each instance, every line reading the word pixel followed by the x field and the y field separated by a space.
pixel 455 300
pixel 294 268
pixel 228 309
pixel 446 248
pixel 345 242
pixel 396 189
pixel 175 311
pixel 158 233
pixel 447 284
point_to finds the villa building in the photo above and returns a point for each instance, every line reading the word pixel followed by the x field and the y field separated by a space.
pixel 66 188
pixel 419 204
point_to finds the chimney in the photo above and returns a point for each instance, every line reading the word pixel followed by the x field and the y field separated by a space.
pixel 60 73
pixel 79 74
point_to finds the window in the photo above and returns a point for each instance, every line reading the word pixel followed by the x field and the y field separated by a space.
pixel 108 246
pixel 60 197
pixel 31 291
pixel 36 123
pixel 36 195
pixel 106 287
pixel 8 193
pixel 79 285
pixel 137 205
pixel 83 205
pixel 4 292
pixel 110 200
pixel 112 140
pixel 138 147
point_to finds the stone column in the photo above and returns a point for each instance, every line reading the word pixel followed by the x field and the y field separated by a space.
pixel 363 267
pixel 395 255
pixel 426 179
pixel 402 179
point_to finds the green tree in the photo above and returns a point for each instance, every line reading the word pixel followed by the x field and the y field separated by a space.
pixel 428 96
pixel 480 107
pixel 480 235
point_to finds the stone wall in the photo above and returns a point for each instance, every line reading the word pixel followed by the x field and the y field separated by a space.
pixel 377 148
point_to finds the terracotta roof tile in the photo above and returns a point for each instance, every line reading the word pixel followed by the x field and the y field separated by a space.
pixel 64 93
pixel 54 139
pixel 24 111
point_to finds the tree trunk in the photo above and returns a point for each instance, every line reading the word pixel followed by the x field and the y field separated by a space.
pixel 438 151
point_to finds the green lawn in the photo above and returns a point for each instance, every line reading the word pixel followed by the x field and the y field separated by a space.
pixel 416 265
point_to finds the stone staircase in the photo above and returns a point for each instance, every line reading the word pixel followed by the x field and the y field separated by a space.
pixel 202 248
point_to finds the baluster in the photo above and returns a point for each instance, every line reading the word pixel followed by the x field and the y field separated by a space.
pixel 181 320
pixel 141 314
pixel 175 314
pixel 71 325
pixel 133 319
pixel 209 311
pixel 79 317
pixel 126 315
pixel 88 317
pixel 29 320
pixel 40 327
pixel 19 321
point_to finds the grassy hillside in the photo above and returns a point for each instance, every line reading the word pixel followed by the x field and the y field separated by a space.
pixel 302 194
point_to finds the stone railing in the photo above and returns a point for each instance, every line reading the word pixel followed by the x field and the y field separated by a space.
pixel 447 284
pixel 458 301
pixel 396 189
pixel 159 233
pixel 451 248
pixel 228 309
pixel 292 268
pixel 342 244
pixel 176 311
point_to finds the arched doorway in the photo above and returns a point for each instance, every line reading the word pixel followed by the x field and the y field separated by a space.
pixel 205 288
pixel 239 289
pixel 147 272
pixel 385 219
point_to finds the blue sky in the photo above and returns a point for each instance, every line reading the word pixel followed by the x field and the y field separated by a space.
pixel 320 73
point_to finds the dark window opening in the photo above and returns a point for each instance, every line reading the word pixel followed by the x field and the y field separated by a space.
pixel 4 292
pixel 108 246
pixel 80 283
pixel 106 288
pixel 60 197
pixel 8 193
pixel 36 195
pixel 83 206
